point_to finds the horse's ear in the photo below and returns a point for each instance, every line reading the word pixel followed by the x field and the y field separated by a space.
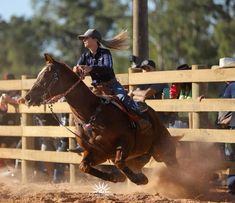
pixel 48 58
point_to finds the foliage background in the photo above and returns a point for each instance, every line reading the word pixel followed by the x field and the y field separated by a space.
pixel 180 31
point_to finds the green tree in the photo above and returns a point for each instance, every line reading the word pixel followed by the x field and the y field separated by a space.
pixel 195 32
pixel 185 31
pixel 66 19
pixel 20 48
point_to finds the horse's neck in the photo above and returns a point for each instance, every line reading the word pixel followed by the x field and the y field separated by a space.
pixel 82 101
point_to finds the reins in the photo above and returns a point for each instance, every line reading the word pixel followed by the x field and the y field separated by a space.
pixel 59 96
pixel 59 121
pixel 61 124
pixel 56 98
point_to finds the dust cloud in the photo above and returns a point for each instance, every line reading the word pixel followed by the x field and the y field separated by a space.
pixel 191 181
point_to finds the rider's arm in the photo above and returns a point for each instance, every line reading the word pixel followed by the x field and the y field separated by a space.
pixel 105 64
pixel 145 93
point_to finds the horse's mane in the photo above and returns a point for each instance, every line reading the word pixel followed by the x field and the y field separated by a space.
pixel 63 63
pixel 68 67
pixel 77 75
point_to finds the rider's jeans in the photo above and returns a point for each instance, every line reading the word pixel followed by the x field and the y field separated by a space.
pixel 122 95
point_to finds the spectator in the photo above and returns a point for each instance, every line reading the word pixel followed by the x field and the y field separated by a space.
pixel 55 171
pixel 9 98
pixel 149 91
pixel 230 147
pixel 6 98
pixel 181 90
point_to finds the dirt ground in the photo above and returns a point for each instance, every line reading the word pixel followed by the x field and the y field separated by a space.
pixel 50 193
pixel 197 180
pixel 162 187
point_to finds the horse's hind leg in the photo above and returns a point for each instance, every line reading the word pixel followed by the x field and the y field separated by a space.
pixel 86 167
pixel 137 178
pixel 166 152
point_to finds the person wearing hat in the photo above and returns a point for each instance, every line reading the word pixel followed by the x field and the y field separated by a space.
pixel 149 91
pixel 229 148
pixel 97 62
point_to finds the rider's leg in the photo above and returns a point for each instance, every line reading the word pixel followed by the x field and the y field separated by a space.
pixel 120 92
pixel 122 95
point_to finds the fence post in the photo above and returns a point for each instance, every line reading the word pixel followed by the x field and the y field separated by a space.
pixel 132 70
pixel 27 143
pixel 195 94
pixel 72 144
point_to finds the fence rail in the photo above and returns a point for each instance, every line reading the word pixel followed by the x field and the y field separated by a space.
pixel 196 77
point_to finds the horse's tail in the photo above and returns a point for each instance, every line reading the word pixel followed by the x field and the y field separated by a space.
pixel 164 145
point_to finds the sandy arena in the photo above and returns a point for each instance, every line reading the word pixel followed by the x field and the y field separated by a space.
pixel 195 181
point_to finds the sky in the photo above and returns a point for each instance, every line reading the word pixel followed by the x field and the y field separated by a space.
pixel 15 7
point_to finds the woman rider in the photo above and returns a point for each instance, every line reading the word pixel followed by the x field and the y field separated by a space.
pixel 97 62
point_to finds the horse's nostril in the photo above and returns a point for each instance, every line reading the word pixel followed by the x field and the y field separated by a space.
pixel 27 97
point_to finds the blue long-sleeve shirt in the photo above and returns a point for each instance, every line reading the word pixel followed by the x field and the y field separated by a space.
pixel 230 93
pixel 101 63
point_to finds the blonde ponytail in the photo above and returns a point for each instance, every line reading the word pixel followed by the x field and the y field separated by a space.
pixel 119 42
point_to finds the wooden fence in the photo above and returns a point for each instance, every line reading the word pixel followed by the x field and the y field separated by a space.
pixel 195 76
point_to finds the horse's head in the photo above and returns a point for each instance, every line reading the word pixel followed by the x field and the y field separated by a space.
pixel 49 82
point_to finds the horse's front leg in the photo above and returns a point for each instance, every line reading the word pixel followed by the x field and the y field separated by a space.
pixel 121 155
pixel 86 167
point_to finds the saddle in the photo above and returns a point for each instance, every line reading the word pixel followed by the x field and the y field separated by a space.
pixel 116 102
pixel 107 97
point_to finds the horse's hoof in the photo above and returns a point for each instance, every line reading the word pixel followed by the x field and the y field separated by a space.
pixel 122 178
pixel 141 179
pixel 119 178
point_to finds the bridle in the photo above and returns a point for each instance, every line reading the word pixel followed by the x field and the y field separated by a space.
pixel 55 78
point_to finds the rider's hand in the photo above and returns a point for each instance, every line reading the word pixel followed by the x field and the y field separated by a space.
pixel 3 104
pixel 86 69
pixel 77 69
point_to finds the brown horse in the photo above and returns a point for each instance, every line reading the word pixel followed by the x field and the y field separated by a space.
pixel 103 130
